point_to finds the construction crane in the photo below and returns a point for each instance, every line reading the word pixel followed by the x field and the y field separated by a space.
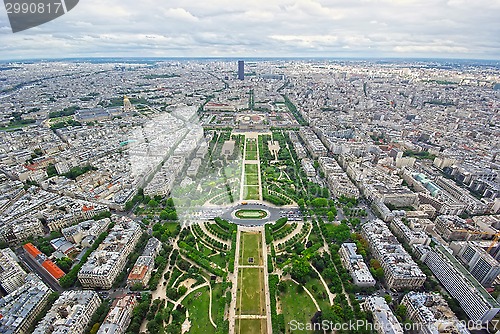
pixel 496 236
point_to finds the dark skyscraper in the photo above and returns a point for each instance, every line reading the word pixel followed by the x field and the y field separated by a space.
pixel 241 70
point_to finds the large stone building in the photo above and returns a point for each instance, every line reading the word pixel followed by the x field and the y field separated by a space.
pixel 19 308
pixel 400 270
pixel 70 314
pixel 109 259
pixel 12 276
pixel 431 312
pixel 383 319
pixel 119 316
pixel 354 263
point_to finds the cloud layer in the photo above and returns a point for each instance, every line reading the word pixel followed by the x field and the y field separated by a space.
pixel 259 28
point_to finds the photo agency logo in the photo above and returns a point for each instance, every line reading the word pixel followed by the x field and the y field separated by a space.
pixel 26 14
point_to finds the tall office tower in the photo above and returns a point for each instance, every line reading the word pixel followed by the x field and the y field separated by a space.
pixel 241 70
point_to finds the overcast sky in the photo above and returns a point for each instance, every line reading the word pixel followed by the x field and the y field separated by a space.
pixel 263 28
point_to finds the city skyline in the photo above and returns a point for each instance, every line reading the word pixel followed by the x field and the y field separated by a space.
pixel 325 29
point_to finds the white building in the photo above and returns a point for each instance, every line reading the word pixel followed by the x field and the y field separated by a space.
pixel 12 276
pixel 354 263
pixel 400 270
pixel 384 320
pixel 70 314
pixel 477 303
pixel 109 259
pixel 119 316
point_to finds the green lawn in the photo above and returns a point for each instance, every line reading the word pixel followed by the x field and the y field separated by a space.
pixel 197 305
pixel 251 150
pixel 251 192
pixel 251 179
pixel 217 294
pixel 251 214
pixel 318 291
pixel 251 298
pixel 250 326
pixel 250 247
pixel 171 226
pixel 251 155
pixel 296 306
pixel 204 249
pixel 251 169
pixel 218 259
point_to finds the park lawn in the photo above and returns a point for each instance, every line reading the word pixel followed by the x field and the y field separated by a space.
pixel 250 326
pixel 197 306
pixel 317 289
pixel 171 226
pixel 251 155
pixel 251 192
pixel 251 299
pixel 250 246
pixel 218 259
pixel 251 214
pixel 217 294
pixel 296 306
pixel 251 169
pixel 251 179
pixel 204 249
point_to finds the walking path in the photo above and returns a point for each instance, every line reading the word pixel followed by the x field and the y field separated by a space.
pixel 331 296
pixel 234 281
pixel 309 293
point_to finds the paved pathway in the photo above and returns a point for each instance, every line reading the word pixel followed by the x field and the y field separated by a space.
pixel 266 282
pixel 331 296
pixel 234 281
pixel 309 293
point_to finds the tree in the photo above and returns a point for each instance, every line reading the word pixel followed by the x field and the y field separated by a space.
pixel 95 328
pixel 64 263
pixel 331 216
pixel 319 202
pixel 153 204
pixel 388 299
pixel 164 215
pixel 300 269
pixel 401 311
pixel 182 290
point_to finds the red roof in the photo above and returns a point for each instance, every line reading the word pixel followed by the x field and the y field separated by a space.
pixel 53 269
pixel 31 249
pixel 87 208
pixel 135 274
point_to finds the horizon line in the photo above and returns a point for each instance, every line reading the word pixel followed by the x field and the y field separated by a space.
pixel 370 58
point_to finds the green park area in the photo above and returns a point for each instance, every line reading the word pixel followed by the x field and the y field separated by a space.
pixel 251 214
pixel 250 326
pixel 251 169
pixel 197 304
pixel 251 179
pixel 296 305
pixel 251 175
pixel 251 192
pixel 251 297
pixel 250 249
pixel 251 150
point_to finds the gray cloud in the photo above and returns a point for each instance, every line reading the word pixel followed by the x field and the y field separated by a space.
pixel 376 28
